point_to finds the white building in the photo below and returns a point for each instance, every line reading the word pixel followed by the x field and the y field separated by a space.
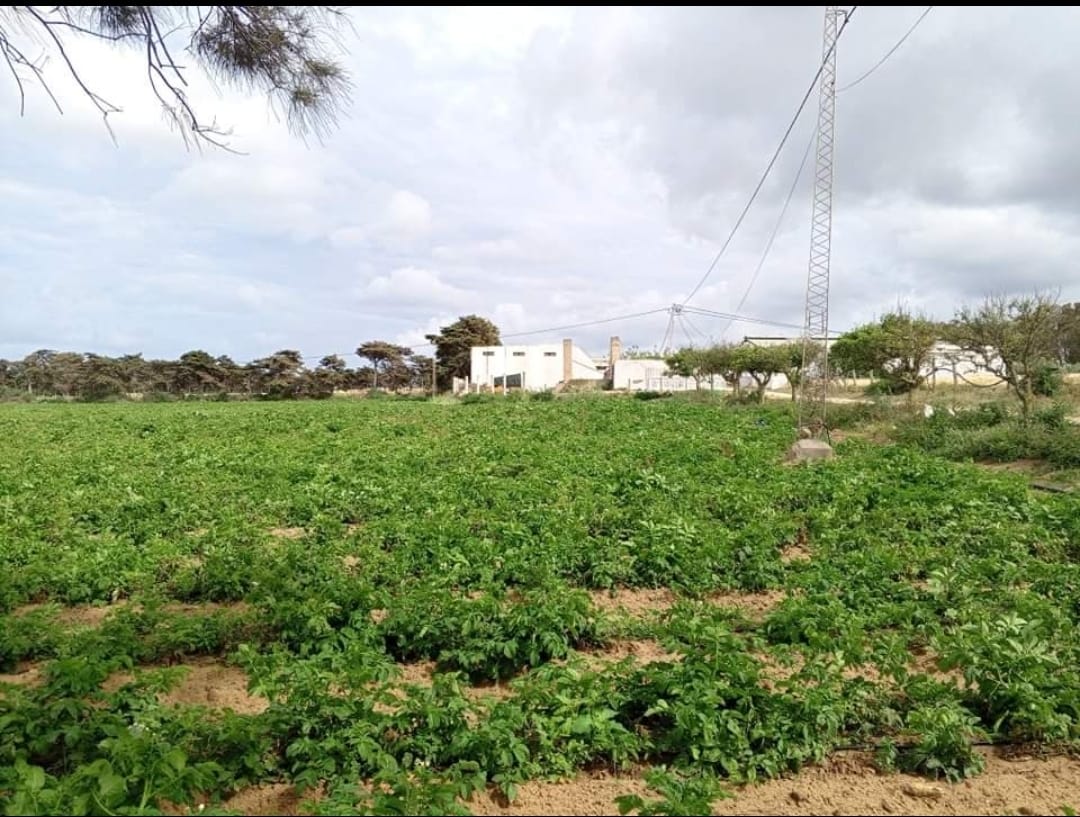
pixel 947 360
pixel 535 367
pixel 651 374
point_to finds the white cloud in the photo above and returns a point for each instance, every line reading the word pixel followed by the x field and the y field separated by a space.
pixel 412 285
pixel 544 167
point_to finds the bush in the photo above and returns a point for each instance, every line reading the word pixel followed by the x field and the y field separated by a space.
pixel 984 415
pixel 471 398
pixel 945 732
pixel 1052 417
pixel 158 397
pixel 542 396
pixel 745 398
pixel 1047 381
pixel 648 394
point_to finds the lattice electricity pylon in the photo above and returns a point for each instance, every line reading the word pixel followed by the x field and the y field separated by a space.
pixel 814 387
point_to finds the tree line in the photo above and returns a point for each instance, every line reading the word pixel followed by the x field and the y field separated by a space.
pixel 281 375
pixel 1024 342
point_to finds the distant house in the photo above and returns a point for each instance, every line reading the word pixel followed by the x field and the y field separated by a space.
pixel 651 374
pixel 534 367
pixel 946 359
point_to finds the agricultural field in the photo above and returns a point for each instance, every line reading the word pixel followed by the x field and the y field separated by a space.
pixel 522 607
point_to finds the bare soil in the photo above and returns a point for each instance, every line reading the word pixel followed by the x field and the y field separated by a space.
pixel 287 533
pixel 268 799
pixel 752 605
pixel 207 682
pixel 27 674
pixel 845 784
pixel 81 615
pixel 796 552
pixel 643 651
pixel 636 603
pixel 93 615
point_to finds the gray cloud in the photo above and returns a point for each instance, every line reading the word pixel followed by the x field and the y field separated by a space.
pixel 548 167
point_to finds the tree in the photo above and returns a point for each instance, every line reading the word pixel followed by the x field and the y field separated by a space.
pixel 282 51
pixel 1068 333
pixel 198 372
pixel 722 360
pixel 855 352
pixel 453 345
pixel 1013 338
pixel 383 356
pixel 332 371
pixel 899 347
pixel 688 362
pixel 278 375
pixel 790 359
pixel 99 378
pixel 760 363
pixel 420 371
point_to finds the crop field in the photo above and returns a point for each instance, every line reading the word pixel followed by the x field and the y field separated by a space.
pixel 522 607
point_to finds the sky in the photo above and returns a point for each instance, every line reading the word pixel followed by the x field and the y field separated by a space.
pixel 545 167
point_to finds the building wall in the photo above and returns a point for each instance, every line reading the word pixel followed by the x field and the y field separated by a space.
pixel 541 365
pixel 650 374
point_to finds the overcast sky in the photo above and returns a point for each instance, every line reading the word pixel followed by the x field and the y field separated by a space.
pixel 544 167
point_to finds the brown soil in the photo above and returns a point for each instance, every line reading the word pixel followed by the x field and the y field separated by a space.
pixel 926 663
pixel 586 794
pixel 206 683
pixel 643 651
pixel 1021 466
pixel 845 784
pixel 287 533
pixel 419 673
pixel 27 674
pixel 350 562
pixel 495 690
pixel 752 605
pixel 636 603
pixel 269 799
pixel 795 553
pixel 92 615
pixel 83 615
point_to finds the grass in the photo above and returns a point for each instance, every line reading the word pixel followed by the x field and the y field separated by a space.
pixel 378 565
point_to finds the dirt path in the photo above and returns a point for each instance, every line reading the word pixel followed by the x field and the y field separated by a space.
pixel 846 784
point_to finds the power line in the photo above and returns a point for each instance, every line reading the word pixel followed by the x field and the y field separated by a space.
pixel 775 230
pixel 529 332
pixel 587 323
pixel 690 323
pixel 890 52
pixel 733 318
pixel 772 161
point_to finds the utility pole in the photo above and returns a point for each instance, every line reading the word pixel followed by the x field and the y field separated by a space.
pixel 813 397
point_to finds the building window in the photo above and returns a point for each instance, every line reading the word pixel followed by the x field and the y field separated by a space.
pixel 519 354
pixel 551 354
pixel 489 354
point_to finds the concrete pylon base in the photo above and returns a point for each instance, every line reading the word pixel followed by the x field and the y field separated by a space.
pixel 809 451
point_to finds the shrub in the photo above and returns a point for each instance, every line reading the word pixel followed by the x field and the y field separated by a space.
pixel 1052 417
pixel 471 398
pixel 1047 381
pixel 542 396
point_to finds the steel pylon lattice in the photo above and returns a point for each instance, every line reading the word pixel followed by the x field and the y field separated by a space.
pixel 814 387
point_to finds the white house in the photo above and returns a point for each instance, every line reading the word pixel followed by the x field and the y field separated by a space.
pixel 651 374
pixel 947 360
pixel 534 367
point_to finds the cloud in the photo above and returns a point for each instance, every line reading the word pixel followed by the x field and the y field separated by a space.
pixel 546 167
pixel 405 219
pixel 410 286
